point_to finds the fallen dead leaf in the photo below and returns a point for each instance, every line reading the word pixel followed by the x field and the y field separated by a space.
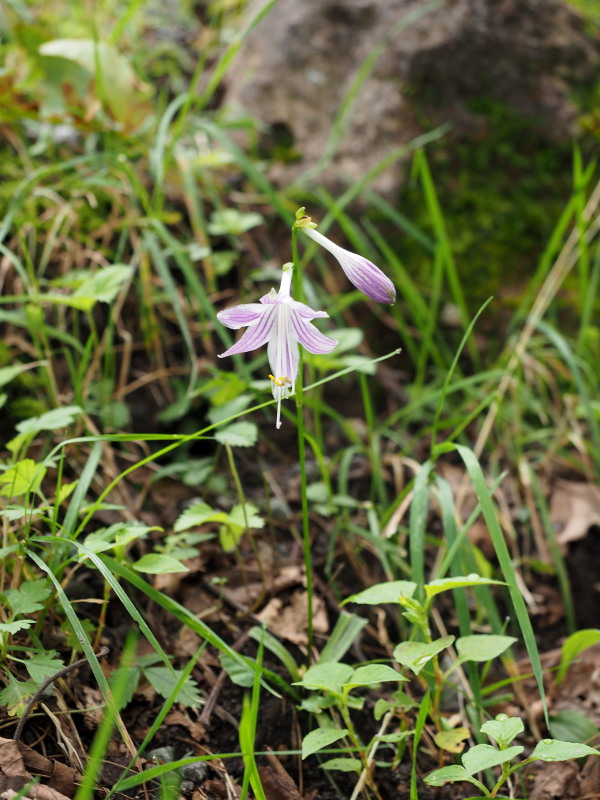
pixel 289 621
pixel 558 781
pixel 14 776
pixel 574 508
pixel 276 781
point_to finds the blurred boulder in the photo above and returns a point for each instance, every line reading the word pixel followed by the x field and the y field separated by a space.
pixel 431 63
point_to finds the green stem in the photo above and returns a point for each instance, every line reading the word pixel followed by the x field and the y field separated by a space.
pixel 299 294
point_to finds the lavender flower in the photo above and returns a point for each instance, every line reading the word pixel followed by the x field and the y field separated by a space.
pixel 361 272
pixel 282 322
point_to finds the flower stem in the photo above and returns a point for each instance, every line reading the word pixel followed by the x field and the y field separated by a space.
pixel 299 295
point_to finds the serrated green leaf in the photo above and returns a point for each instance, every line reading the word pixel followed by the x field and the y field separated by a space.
pixel 163 680
pixel 573 645
pixel 318 739
pixel 343 764
pixel 238 434
pixel 445 584
pixel 555 750
pixel 415 655
pixel 43 664
pixel 29 596
pixel 158 564
pixel 64 491
pixel 16 625
pixel 17 695
pixel 447 775
pixel 503 729
pixel 196 515
pixel 330 677
pixel 389 592
pixel 24 476
pixel 373 673
pixel 484 756
pixel 251 516
pixel 482 646
pixel 127 679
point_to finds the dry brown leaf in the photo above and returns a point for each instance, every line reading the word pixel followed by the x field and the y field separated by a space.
pixel 290 621
pixel 574 508
pixel 558 781
pixel 14 776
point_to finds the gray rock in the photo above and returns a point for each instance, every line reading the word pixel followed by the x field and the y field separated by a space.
pixel 299 63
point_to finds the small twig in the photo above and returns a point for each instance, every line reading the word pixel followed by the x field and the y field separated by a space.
pixel 104 651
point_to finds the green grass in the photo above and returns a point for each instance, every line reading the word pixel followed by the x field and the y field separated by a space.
pixel 449 408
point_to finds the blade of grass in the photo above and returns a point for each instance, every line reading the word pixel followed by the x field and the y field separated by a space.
pixel 506 566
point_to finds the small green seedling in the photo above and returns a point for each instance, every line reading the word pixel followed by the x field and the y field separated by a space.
pixel 502 731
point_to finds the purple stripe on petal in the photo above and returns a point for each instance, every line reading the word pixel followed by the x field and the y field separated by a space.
pixel 306 311
pixel 256 335
pixel 368 278
pixel 310 338
pixel 238 316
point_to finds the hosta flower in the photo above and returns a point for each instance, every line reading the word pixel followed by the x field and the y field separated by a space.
pixel 361 272
pixel 282 322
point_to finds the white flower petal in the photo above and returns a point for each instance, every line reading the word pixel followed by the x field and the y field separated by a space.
pixel 257 334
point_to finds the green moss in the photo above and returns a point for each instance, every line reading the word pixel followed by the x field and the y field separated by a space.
pixel 501 193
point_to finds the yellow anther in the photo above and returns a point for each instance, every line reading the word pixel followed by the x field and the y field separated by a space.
pixel 280 381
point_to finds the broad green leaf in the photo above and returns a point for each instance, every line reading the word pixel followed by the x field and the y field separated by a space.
pixel 571 725
pixel 503 729
pixel 415 655
pixel 389 592
pixel 238 434
pixel 343 764
pixel 196 515
pixel 118 535
pixel 373 673
pixel 484 756
pixel 102 286
pixel 320 738
pixel 241 674
pixel 330 677
pixel 43 664
pixel 163 680
pixel 457 582
pixel 8 374
pixel 555 750
pixel 452 741
pixel 393 738
pixel 29 596
pixel 124 92
pixel 231 222
pixel 24 476
pixel 447 775
pixel 16 695
pixel 574 644
pixel 53 420
pixel 482 646
pixel 158 564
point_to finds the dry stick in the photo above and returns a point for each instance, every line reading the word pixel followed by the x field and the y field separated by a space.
pixel 104 651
